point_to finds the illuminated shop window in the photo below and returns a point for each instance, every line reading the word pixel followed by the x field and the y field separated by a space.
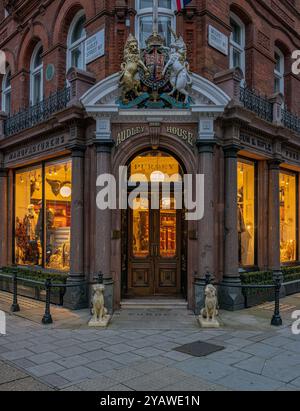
pixel 144 23
pixel 288 217
pixel 246 212
pixel 28 211
pixel 58 193
pixel 43 220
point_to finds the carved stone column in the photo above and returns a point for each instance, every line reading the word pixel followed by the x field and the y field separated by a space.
pixel 274 216
pixel 103 225
pixel 3 216
pixel 231 297
pixel 76 297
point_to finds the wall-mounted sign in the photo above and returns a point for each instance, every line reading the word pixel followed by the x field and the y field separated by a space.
pixel 129 132
pixel 36 148
pixel 217 40
pixel 94 46
pixel 50 71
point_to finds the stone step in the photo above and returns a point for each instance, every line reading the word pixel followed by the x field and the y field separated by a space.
pixel 152 303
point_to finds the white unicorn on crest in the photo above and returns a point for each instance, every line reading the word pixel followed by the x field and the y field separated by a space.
pixel 180 78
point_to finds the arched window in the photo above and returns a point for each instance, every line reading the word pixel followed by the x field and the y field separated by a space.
pixel 278 71
pixel 76 42
pixel 36 75
pixel 6 92
pixel 144 20
pixel 237 43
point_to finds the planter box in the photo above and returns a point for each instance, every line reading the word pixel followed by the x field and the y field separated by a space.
pixel 35 293
pixel 261 296
pixel 292 289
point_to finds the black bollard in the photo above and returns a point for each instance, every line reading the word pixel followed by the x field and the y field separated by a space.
pixel 276 319
pixel 47 319
pixel 15 308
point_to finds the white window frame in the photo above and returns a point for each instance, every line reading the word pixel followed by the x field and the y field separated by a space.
pixel 239 47
pixel 6 91
pixel 78 44
pixel 279 74
pixel 144 12
pixel 33 72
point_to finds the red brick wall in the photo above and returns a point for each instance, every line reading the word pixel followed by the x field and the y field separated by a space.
pixel 266 25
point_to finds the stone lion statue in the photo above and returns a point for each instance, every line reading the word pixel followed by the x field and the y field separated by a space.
pixel 129 69
pixel 99 311
pixel 211 309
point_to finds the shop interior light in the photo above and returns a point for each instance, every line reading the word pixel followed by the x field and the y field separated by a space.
pixel 65 191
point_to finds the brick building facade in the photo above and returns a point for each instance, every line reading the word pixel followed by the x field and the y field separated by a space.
pixel 61 127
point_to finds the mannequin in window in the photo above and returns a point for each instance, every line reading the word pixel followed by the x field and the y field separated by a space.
pixel 49 230
pixel 240 222
pixel 30 223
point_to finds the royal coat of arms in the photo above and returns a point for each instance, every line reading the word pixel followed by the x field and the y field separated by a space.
pixel 157 76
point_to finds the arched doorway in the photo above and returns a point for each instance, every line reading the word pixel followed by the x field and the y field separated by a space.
pixel 154 246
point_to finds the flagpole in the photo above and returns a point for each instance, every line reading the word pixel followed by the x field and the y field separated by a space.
pixel 155 16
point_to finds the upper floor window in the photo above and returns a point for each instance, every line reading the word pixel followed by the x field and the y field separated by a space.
pixel 76 42
pixel 6 92
pixel 144 22
pixel 237 43
pixel 36 75
pixel 279 71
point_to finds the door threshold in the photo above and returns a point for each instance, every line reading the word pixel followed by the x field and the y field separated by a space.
pixel 154 302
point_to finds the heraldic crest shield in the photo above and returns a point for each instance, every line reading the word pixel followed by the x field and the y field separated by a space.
pixel 156 77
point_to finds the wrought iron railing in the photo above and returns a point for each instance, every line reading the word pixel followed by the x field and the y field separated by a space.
pixel 290 121
pixel 38 113
pixel 256 103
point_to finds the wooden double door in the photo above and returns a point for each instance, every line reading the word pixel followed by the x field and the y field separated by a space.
pixel 154 247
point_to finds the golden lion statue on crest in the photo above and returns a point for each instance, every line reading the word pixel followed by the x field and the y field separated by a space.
pixel 129 69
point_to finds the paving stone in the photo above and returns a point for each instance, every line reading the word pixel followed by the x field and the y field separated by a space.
pixel 92 346
pixel 293 346
pixel 23 363
pixel 99 355
pixel 253 364
pixel 68 351
pixel 77 374
pixel 205 368
pixel 101 383
pixel 177 356
pixel 246 381
pixel 261 350
pixel 15 355
pixel 40 349
pixel 239 342
pixel 124 374
pixel 45 369
pixel 277 341
pixel 280 371
pixel 163 360
pixel 44 358
pixel 119 348
pixel 55 380
pixel 148 365
pixel 67 342
pixel 71 362
pixel 149 352
pixel 127 358
pixel 192 384
pixel 119 388
pixel 104 365
pixel 228 358
pixel 141 343
pixel 296 382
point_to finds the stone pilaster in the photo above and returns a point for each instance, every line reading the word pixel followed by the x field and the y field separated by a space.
pixel 274 216
pixel 103 224
pixel 3 216
pixel 231 297
pixel 76 297
pixel 206 249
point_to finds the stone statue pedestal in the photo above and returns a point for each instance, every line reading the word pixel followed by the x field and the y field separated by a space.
pixel 100 323
pixel 205 323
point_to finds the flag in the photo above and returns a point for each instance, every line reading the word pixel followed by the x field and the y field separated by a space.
pixel 181 4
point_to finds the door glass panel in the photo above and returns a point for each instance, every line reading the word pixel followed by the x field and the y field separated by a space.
pixel 140 228
pixel 168 226
pixel 288 225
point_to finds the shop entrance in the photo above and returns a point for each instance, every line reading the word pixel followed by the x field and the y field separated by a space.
pixel 154 250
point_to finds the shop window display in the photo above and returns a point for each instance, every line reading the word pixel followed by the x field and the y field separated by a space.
pixel 288 217
pixel 28 200
pixel 43 219
pixel 246 212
